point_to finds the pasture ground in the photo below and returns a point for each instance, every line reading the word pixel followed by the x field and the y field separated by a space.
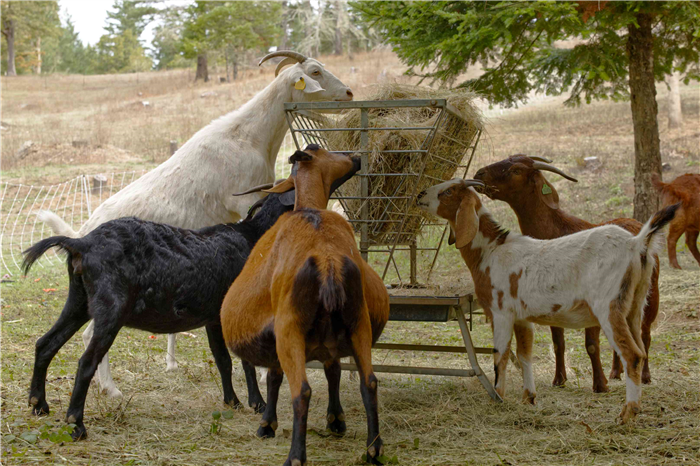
pixel 166 418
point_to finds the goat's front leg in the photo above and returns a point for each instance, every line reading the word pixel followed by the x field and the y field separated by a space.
pixel 559 344
pixel 502 334
pixel 362 350
pixel 335 416
pixel 268 424
pixel 524 336
pixel 691 240
pixel 600 383
pixel 674 234
pixel 291 351
pixel 170 361
pixel 223 363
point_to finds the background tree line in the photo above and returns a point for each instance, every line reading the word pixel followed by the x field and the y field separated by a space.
pixel 36 40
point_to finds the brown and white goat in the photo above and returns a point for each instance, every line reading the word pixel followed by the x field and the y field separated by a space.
pixel 518 180
pixel 597 277
pixel 686 190
pixel 306 294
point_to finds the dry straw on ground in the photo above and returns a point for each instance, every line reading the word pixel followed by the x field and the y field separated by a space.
pixel 454 137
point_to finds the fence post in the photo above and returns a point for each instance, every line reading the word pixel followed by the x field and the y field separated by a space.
pixel 173 147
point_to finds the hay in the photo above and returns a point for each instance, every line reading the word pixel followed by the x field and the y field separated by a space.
pixel 453 138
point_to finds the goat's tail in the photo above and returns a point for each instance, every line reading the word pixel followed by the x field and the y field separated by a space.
pixel 656 181
pixel 57 224
pixel 330 301
pixel 33 253
pixel 650 236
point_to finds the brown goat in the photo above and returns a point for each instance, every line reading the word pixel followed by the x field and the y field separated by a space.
pixel 686 190
pixel 306 294
pixel 518 181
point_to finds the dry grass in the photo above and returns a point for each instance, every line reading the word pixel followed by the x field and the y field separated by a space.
pixel 454 135
pixel 166 417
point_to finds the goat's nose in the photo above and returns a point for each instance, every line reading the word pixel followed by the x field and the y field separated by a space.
pixel 349 93
pixel 420 195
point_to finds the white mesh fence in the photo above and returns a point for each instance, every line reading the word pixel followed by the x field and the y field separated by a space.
pixel 74 201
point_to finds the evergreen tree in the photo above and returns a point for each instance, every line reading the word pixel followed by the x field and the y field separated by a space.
pixel 626 47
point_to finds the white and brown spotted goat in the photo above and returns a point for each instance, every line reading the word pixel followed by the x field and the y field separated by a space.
pixel 595 277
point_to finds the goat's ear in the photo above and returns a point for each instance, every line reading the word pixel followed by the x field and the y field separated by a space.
pixel 546 191
pixel 287 199
pixel 451 238
pixel 466 222
pixel 300 156
pixel 283 187
pixel 306 84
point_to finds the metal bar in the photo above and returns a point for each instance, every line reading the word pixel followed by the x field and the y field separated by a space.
pixel 471 353
pixel 373 197
pixel 388 151
pixel 364 184
pixel 414 262
pixel 380 128
pixel 430 348
pixel 402 369
pixel 471 157
pixel 365 104
pixel 429 140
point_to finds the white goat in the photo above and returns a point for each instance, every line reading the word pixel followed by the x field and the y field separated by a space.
pixel 193 188
pixel 597 277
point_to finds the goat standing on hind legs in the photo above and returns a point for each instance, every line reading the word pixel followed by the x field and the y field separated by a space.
pixel 519 181
pixel 597 277
pixel 306 294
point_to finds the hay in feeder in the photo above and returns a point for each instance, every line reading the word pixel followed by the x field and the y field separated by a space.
pixel 453 138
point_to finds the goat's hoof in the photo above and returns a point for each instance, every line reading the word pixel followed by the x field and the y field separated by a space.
pixel 559 381
pixel 336 424
pixel 676 266
pixel 267 429
pixel 112 392
pixel 529 397
pixel 294 462
pixel 375 451
pixel 79 432
pixel 614 374
pixel 599 387
pixel 258 406
pixel 172 366
pixel 629 411
pixel 646 378
pixel 39 407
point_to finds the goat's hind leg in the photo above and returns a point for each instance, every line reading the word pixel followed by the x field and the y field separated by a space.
pixel 524 336
pixel 335 417
pixel 104 373
pixel 618 332
pixel 106 309
pixel 691 240
pixel 73 316
pixel 362 351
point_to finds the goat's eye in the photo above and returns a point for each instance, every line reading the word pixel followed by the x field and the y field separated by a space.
pixel 447 192
pixel 316 73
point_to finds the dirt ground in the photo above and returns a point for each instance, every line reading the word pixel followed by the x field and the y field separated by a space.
pixel 166 418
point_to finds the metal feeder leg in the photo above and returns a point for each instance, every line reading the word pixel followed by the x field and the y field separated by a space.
pixel 472 356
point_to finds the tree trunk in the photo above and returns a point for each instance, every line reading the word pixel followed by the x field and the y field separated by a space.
pixel 284 25
pixel 202 70
pixel 675 114
pixel 338 32
pixel 228 76
pixel 647 154
pixel 9 32
pixel 235 68
pixel 37 68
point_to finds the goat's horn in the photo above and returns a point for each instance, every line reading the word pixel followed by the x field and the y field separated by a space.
pixel 284 53
pixel 255 189
pixel 469 183
pixel 549 168
pixel 283 63
pixel 540 159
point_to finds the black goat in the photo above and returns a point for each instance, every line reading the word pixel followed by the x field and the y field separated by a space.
pixel 153 277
